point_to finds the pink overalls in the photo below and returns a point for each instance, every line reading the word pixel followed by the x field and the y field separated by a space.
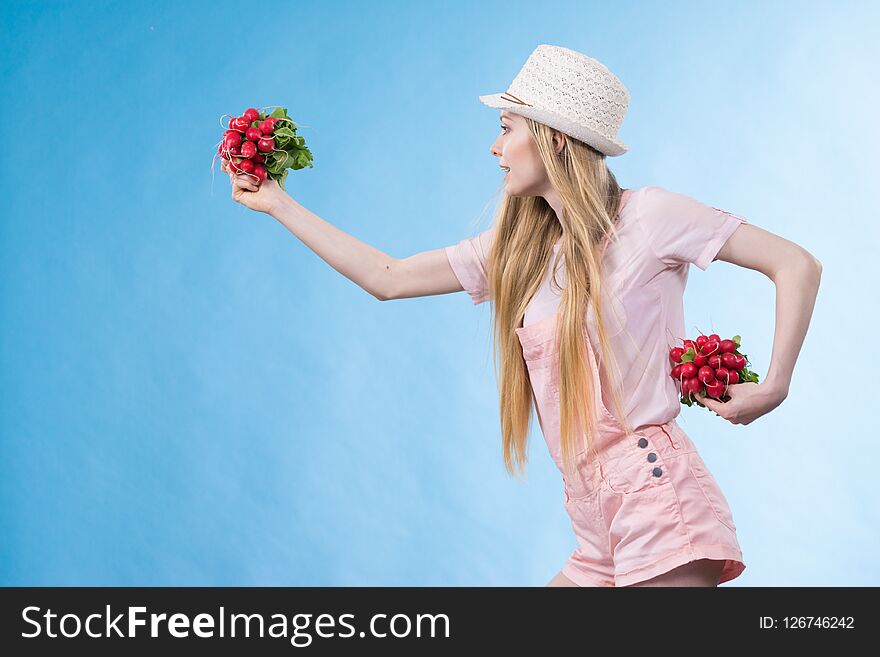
pixel 648 505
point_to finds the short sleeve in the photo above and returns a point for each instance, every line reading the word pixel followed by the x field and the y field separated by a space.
pixel 681 230
pixel 468 260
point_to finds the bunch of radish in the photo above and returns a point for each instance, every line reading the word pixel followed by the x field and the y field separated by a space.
pixel 710 365
pixel 263 145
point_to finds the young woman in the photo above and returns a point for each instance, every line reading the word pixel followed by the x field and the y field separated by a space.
pixel 586 281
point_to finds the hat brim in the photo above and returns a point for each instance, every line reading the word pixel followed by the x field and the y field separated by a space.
pixel 610 147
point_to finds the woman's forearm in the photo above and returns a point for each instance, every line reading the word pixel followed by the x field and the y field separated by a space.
pixel 361 263
pixel 796 288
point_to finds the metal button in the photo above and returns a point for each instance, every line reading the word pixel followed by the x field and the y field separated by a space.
pixel 652 457
pixel 657 472
pixel 643 442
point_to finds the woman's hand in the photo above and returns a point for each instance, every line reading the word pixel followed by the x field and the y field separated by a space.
pixel 247 189
pixel 748 401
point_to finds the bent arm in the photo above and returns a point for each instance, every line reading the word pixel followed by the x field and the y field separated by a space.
pixel 797 275
pixel 373 270
pixel 797 286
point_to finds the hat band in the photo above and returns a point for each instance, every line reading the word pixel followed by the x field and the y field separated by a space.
pixel 514 99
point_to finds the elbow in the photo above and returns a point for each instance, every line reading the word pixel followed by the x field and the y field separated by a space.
pixel 383 284
pixel 814 269
pixel 816 265
pixel 810 264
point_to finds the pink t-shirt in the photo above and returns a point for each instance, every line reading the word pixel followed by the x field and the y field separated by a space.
pixel 660 234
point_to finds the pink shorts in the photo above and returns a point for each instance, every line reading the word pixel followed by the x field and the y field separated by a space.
pixel 648 505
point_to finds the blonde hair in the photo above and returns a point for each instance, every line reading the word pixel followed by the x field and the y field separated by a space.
pixel 527 228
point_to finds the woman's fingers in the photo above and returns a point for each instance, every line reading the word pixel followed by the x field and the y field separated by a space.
pixel 244 181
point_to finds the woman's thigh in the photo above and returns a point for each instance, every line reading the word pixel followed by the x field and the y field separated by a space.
pixel 702 572
pixel 560 580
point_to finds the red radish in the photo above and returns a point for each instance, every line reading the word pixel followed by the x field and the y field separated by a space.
pixel 723 374
pixel 247 166
pixel 710 348
pixel 715 389
pixel 691 386
pixel 254 135
pixel 714 365
pixel 727 347
pixel 248 149
pixel 706 374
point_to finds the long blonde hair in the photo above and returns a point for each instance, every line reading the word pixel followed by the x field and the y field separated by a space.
pixel 527 228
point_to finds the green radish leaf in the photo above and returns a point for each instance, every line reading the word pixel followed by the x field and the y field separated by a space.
pixel 283 159
pixel 304 159
pixel 736 339
pixel 688 356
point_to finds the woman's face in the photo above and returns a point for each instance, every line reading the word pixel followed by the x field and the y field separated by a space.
pixel 516 148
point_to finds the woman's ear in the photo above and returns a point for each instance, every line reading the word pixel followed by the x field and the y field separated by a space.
pixel 558 142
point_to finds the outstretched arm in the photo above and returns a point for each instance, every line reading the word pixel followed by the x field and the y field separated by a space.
pixel 373 270
pixel 796 274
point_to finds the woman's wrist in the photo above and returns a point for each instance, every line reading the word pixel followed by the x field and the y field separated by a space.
pixel 280 206
pixel 777 386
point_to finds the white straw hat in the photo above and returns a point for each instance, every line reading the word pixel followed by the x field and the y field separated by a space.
pixel 571 92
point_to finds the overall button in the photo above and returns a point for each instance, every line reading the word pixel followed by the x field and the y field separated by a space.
pixel 643 442
pixel 657 472
pixel 652 457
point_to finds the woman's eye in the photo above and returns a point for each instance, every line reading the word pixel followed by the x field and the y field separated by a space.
pixel 504 127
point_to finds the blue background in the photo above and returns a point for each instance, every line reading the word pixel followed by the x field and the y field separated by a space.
pixel 190 396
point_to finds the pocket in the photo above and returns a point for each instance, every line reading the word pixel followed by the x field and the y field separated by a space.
pixel 711 490
pixel 544 375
